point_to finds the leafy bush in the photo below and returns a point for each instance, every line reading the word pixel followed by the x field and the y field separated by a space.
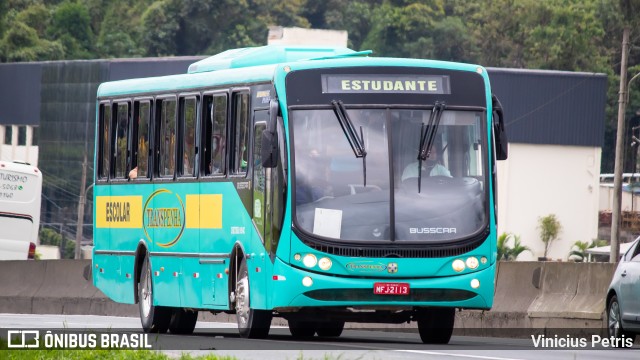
pixel 508 253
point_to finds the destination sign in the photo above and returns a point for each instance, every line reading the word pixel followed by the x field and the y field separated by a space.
pixel 385 84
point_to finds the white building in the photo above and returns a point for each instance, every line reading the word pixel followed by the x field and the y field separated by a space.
pixel 279 35
pixel 17 144
pixel 555 125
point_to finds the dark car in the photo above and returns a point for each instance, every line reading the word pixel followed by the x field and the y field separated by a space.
pixel 623 299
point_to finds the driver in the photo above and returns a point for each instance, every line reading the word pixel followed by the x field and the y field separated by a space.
pixel 431 167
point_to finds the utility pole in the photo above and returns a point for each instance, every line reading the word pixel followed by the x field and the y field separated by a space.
pixel 617 178
pixel 80 224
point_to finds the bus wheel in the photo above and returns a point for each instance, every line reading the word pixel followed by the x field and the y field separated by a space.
pixel 302 329
pixel 252 323
pixel 155 319
pixel 183 321
pixel 330 329
pixel 435 325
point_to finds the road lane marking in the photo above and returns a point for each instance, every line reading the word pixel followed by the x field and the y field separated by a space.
pixel 457 355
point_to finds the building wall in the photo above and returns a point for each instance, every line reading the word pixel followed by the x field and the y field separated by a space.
pixel 538 180
pixel 11 150
pixel 279 35
pixel 629 202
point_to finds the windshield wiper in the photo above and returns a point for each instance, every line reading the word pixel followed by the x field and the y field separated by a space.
pixel 427 136
pixel 356 142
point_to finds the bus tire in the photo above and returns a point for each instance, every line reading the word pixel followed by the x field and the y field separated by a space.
pixel 155 319
pixel 252 323
pixel 302 329
pixel 183 321
pixel 435 325
pixel 330 329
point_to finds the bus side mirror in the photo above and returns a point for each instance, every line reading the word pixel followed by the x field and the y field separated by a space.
pixel 269 150
pixel 502 147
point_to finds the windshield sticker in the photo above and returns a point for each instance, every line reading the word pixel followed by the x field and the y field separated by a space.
pixel 327 222
pixel 388 84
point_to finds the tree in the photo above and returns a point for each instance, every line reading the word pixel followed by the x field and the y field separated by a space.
pixel 550 228
pixel 49 236
pixel 404 29
pixel 21 43
pixel 507 253
pixel 71 25
pixel 353 16
pixel 119 31
pixel 159 27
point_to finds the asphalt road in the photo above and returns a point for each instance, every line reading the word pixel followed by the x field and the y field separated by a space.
pixel 223 339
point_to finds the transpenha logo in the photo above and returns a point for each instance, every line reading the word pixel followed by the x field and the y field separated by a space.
pixel 373 267
pixel 168 215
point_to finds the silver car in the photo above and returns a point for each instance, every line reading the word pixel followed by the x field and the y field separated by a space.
pixel 623 299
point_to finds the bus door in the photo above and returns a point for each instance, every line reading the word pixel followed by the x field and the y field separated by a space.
pixel 260 189
pixel 262 215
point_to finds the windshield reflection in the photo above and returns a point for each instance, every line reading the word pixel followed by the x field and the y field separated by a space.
pixel 333 201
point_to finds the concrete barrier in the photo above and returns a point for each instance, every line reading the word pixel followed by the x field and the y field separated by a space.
pixel 575 291
pixel 54 287
pixel 516 286
pixel 530 296
pixel 19 282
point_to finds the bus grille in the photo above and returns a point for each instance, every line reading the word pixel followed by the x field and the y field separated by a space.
pixel 416 295
pixel 391 251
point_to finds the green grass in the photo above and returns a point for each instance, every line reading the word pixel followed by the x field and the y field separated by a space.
pixel 90 354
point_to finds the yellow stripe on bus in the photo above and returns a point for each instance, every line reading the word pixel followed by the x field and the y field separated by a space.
pixel 119 212
pixel 204 211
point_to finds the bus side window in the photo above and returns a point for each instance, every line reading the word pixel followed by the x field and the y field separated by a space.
pixel 240 133
pixel 166 138
pixel 188 120
pixel 141 136
pixel 103 142
pixel 120 146
pixel 214 135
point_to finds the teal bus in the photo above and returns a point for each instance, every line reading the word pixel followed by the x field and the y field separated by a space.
pixel 319 185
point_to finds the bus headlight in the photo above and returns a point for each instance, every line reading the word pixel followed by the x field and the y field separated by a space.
pixel 458 265
pixel 472 262
pixel 307 281
pixel 325 263
pixel 310 260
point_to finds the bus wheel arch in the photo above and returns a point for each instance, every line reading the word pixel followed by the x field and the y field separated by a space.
pixel 252 323
pixel 141 253
pixel 154 318
pixel 236 258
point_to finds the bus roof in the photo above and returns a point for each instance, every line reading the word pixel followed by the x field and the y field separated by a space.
pixel 266 55
pixel 257 65
pixel 20 167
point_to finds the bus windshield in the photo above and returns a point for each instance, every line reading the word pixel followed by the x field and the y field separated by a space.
pixel 390 194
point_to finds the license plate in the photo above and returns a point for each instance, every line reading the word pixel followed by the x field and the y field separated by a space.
pixel 380 288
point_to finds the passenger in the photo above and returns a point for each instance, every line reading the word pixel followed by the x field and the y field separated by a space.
pixel 133 173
